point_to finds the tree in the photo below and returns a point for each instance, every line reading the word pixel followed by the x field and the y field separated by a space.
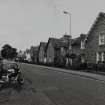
pixel 8 52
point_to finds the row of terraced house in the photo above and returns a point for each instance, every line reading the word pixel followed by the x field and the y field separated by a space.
pixel 87 48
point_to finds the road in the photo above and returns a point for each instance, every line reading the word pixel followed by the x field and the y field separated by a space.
pixel 51 87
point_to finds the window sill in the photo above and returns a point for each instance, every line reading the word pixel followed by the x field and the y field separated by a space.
pixel 82 48
pixel 101 45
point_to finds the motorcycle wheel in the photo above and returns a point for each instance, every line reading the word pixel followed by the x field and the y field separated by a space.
pixel 20 81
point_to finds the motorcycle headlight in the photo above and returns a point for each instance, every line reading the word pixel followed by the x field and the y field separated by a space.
pixel 11 70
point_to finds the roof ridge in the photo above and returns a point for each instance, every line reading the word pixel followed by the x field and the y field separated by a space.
pixel 102 13
pixel 94 23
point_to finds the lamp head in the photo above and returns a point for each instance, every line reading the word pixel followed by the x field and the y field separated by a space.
pixel 65 12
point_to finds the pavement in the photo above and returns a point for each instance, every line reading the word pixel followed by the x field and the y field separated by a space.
pixel 95 76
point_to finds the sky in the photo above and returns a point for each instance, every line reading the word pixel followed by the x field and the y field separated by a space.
pixel 25 23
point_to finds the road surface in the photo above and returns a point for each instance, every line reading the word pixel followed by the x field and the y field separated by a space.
pixel 51 87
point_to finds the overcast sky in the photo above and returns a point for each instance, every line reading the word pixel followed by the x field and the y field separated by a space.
pixel 27 22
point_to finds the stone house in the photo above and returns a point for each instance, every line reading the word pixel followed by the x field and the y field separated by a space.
pixel 61 49
pixel 50 51
pixel 78 49
pixel 27 56
pixel 42 53
pixel 95 50
pixel 67 40
pixel 34 54
pixel 56 48
pixel 21 56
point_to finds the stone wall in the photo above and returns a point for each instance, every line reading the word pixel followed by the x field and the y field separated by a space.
pixel 93 39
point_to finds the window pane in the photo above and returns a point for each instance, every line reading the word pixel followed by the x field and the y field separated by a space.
pixel 102 38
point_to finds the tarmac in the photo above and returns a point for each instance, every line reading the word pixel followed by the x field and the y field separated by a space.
pixel 99 76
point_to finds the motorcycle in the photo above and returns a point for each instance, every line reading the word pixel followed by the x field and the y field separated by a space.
pixel 11 76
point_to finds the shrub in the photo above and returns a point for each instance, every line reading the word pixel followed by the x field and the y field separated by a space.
pixel 101 67
pixel 91 66
pixel 83 66
pixel 59 61
pixel 79 66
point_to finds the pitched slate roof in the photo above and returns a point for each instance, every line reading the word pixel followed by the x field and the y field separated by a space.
pixel 54 41
pixel 34 49
pixel 61 43
pixel 57 43
pixel 43 44
pixel 101 14
pixel 77 41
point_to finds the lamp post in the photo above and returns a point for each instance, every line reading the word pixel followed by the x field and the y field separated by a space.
pixel 69 44
pixel 69 14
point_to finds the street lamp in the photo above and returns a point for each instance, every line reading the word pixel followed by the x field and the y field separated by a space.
pixel 67 13
pixel 69 40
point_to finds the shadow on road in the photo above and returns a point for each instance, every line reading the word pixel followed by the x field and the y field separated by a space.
pixel 16 87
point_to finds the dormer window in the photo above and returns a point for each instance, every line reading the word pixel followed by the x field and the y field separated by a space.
pixel 102 38
pixel 82 44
